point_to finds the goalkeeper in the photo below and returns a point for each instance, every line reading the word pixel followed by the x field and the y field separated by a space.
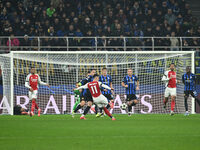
pixel 77 94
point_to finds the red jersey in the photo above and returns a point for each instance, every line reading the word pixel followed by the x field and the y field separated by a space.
pixel 172 82
pixel 94 88
pixel 32 81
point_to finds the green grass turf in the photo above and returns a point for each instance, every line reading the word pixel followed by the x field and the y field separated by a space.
pixel 138 132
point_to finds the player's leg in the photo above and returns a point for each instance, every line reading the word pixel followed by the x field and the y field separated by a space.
pixel 132 102
pixel 186 95
pixel 194 95
pixel 89 104
pixel 166 95
pixel 80 105
pixel 173 97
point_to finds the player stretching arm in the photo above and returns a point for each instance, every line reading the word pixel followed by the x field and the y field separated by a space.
pixel 31 83
pixel 169 78
pixel 131 83
pixel 107 80
pixel 188 80
pixel 98 98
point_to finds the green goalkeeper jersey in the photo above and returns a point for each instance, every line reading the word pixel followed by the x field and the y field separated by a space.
pixel 77 94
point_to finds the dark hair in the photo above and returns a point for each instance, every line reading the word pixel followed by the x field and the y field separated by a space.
pixel 104 68
pixel 89 71
pixel 32 67
pixel 188 67
pixel 95 75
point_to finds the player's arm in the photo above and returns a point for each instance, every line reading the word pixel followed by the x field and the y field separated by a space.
pixel 165 77
pixel 105 86
pixel 82 87
pixel 138 84
pixel 183 80
pixel 27 84
pixel 124 83
pixel 111 85
pixel 42 83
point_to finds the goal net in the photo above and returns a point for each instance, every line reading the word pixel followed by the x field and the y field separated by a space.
pixel 63 69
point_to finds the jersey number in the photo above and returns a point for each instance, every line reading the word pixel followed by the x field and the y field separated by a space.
pixel 94 89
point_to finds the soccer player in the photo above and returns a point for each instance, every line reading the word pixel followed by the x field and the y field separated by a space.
pixel 77 94
pixel 32 81
pixel 99 99
pixel 131 83
pixel 188 80
pixel 169 78
pixel 85 94
pixel 107 80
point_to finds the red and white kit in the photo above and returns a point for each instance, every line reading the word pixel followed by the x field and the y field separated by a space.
pixel 95 89
pixel 169 78
pixel 32 81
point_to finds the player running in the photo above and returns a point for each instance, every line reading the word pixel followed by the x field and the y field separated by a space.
pixel 169 78
pixel 107 80
pixel 77 94
pixel 131 83
pixel 98 98
pixel 188 80
pixel 85 94
pixel 31 83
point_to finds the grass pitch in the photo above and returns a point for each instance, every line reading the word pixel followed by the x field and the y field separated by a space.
pixel 138 132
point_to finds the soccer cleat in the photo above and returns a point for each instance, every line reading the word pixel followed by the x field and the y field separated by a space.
pixel 171 113
pixel 129 114
pixel 93 109
pixel 164 106
pixel 82 117
pixel 111 105
pixel 99 115
pixel 186 113
pixel 113 118
pixel 31 114
pixel 73 113
pixel 39 110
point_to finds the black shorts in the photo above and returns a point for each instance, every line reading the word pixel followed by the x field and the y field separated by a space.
pixel 190 92
pixel 130 97
pixel 108 96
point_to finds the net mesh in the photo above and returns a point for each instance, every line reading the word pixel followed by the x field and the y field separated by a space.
pixel 63 70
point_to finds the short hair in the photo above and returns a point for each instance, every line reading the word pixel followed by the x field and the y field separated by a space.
pixel 32 67
pixel 172 64
pixel 89 71
pixel 104 68
pixel 188 67
pixel 95 75
pixel 129 69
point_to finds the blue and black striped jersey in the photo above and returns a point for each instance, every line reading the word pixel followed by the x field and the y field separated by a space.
pixel 107 80
pixel 131 82
pixel 85 81
pixel 189 81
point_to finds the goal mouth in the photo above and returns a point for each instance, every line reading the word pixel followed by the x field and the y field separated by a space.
pixel 63 69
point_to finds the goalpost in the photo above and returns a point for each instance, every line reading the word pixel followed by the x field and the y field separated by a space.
pixel 63 69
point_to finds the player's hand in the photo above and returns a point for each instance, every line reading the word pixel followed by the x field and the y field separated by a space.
pixel 105 90
pixel 137 88
pixel 48 85
pixel 126 86
pixel 112 89
pixel 31 89
pixel 178 81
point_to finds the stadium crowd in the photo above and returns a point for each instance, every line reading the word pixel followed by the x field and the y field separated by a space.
pixel 78 18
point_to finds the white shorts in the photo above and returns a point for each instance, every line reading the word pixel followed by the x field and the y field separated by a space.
pixel 170 92
pixel 33 94
pixel 100 101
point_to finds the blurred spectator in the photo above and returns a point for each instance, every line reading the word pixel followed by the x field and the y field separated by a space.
pixel 50 11
pixel 13 42
pixel 174 42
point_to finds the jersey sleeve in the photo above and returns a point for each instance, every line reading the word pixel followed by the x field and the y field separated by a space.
pixel 110 79
pixel 40 82
pixel 104 86
pixel 183 80
pixel 165 76
pixel 136 78
pixel 82 87
pixel 124 80
pixel 27 82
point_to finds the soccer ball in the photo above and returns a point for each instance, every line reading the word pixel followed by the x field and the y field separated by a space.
pixel 123 106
